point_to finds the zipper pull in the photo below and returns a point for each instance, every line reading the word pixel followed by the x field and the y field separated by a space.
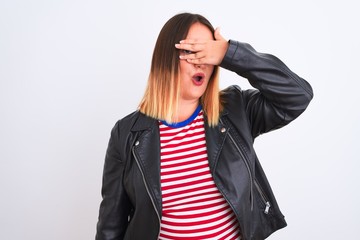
pixel 267 207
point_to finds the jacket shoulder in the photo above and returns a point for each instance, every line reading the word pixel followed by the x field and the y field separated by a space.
pixel 232 89
pixel 230 94
pixel 234 97
pixel 135 121
pixel 126 122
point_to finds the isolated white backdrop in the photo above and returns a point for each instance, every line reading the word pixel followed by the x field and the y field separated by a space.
pixel 70 69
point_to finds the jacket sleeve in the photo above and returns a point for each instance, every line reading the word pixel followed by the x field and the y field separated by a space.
pixel 115 206
pixel 279 95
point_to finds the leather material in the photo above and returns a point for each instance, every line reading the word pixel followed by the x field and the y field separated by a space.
pixel 131 206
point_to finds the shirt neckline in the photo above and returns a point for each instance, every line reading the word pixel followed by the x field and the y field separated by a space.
pixel 185 122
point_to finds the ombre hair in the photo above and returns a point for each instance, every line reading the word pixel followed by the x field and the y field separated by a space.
pixel 161 98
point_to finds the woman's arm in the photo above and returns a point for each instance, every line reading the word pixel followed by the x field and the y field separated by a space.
pixel 280 94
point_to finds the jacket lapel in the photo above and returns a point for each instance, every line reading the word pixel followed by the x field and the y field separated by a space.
pixel 215 137
pixel 147 150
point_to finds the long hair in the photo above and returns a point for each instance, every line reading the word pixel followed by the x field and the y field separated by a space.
pixel 161 98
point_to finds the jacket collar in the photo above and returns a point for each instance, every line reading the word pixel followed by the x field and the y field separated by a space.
pixel 215 136
pixel 143 122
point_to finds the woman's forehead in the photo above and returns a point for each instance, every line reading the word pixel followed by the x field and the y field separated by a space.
pixel 199 31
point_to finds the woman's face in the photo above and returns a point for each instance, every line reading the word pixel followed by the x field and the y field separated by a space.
pixel 195 78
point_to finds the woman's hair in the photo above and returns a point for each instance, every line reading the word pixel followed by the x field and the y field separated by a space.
pixel 162 93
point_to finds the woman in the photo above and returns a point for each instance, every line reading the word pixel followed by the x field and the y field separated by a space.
pixel 183 166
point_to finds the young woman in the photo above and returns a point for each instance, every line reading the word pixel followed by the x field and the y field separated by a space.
pixel 183 165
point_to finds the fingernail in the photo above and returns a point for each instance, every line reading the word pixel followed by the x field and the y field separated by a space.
pixel 177 45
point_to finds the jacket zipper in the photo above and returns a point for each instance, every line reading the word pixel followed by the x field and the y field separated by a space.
pixel 147 189
pixel 264 198
pixel 249 171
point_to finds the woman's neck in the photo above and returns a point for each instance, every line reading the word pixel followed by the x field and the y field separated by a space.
pixel 186 109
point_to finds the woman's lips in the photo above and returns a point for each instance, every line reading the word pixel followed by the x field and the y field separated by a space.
pixel 198 79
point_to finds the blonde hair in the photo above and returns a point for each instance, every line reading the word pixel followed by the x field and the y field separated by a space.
pixel 161 97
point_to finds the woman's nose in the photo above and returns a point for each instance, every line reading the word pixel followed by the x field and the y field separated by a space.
pixel 199 65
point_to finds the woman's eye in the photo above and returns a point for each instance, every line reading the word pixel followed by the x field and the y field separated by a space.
pixel 187 51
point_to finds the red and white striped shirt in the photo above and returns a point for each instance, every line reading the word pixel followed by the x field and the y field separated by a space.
pixel 193 207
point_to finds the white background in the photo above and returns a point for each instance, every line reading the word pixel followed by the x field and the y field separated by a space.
pixel 70 69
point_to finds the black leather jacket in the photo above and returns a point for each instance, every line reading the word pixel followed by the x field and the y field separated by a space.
pixel 131 205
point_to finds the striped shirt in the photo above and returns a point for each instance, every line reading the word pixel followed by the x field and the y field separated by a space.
pixel 193 207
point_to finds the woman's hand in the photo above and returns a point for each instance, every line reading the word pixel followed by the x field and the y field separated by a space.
pixel 209 52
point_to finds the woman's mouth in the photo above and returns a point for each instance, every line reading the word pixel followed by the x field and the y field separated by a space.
pixel 198 79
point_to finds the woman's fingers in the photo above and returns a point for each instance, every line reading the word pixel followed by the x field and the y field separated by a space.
pixel 194 47
pixel 191 49
pixel 203 51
